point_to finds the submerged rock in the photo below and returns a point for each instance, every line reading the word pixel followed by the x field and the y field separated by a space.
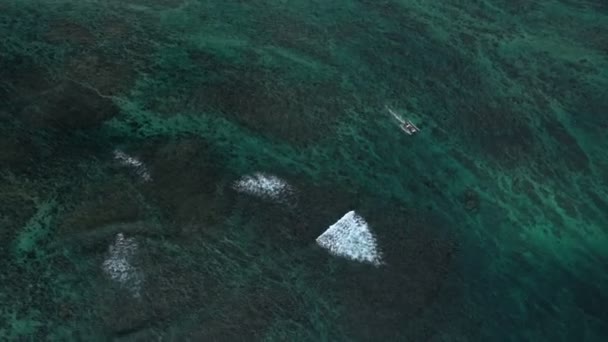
pixel 70 106
pixel 471 201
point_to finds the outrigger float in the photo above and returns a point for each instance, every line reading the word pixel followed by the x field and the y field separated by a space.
pixel 406 125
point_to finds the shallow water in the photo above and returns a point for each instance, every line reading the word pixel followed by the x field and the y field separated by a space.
pixel 167 166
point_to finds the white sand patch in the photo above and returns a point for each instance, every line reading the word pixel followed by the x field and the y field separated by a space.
pixel 134 163
pixel 118 264
pixel 264 186
pixel 351 238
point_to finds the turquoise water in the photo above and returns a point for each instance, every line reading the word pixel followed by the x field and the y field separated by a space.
pixel 492 221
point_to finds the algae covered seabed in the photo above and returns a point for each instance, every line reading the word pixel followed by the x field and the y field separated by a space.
pixel 124 126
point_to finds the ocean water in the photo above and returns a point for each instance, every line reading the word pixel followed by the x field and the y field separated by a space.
pixel 191 170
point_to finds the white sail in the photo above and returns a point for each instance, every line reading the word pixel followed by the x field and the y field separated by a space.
pixel 134 163
pixel 264 186
pixel 350 237
pixel 118 266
